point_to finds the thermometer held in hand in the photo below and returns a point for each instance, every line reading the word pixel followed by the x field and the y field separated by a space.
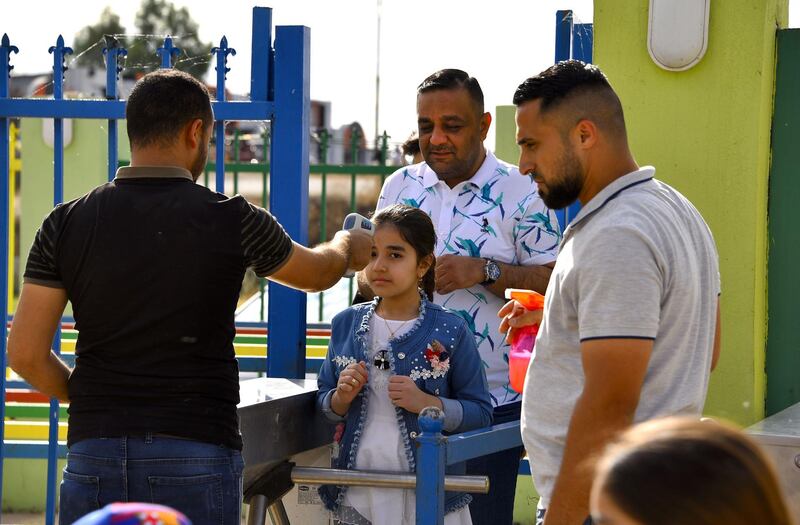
pixel 355 221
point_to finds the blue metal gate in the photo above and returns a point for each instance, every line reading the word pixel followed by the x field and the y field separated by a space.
pixel 279 93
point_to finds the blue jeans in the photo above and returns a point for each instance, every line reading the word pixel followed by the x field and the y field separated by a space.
pixel 201 480
pixel 497 507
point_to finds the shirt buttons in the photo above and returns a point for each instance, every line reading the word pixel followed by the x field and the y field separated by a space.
pixel 401 355
pixel 436 391
pixel 412 435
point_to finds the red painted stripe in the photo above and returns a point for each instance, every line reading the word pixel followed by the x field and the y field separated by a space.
pixel 25 396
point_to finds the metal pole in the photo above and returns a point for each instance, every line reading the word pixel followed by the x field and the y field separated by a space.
pixel 430 467
pixel 59 51
pixel 378 72
pixel 112 51
pixel 257 512
pixel 277 513
pixel 222 53
pixel 366 478
pixel 6 49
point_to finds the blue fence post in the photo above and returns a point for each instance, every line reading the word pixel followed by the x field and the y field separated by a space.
pixel 288 199
pixel 166 52
pixel 222 53
pixel 6 49
pixel 112 52
pixel 430 467
pixel 582 42
pixel 59 51
pixel 570 44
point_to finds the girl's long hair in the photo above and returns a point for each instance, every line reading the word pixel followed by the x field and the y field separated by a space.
pixel 682 470
pixel 416 228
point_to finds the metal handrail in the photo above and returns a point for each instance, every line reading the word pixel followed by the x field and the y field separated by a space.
pixel 386 479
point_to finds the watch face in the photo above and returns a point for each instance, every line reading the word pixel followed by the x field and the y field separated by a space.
pixel 492 271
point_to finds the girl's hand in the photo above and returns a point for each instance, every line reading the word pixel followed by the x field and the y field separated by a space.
pixel 351 381
pixel 516 316
pixel 404 393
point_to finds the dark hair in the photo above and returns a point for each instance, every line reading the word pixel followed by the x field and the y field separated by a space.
pixel 454 79
pixel 585 87
pixel 416 228
pixel 411 145
pixel 162 103
pixel 682 470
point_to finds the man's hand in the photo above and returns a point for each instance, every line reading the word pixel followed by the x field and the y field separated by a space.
pixel 351 381
pixel 516 316
pixel 360 248
pixel 404 393
pixel 456 272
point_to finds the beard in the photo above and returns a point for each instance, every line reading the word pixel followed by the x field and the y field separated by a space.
pixel 565 187
pixel 199 163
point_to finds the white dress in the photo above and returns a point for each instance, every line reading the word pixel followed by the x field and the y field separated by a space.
pixel 381 448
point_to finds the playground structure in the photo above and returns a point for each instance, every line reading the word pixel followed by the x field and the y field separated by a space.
pixel 707 130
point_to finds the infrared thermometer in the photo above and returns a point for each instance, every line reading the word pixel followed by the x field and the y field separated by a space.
pixel 355 221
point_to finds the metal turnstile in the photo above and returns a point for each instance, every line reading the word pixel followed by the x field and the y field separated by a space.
pixel 279 421
pixel 779 435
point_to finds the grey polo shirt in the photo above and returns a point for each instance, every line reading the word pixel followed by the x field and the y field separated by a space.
pixel 637 262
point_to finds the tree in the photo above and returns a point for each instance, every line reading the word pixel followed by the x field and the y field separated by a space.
pixel 155 20
pixel 159 17
pixel 89 41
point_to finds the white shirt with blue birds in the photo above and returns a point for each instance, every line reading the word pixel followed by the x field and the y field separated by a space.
pixel 496 214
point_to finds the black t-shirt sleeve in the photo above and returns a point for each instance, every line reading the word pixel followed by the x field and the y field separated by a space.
pixel 265 243
pixel 41 267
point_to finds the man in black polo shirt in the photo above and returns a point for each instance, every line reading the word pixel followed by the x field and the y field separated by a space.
pixel 153 264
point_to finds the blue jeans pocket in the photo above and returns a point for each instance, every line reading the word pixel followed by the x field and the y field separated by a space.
pixel 199 497
pixel 79 495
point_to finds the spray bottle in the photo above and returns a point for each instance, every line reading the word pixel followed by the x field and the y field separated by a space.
pixel 524 337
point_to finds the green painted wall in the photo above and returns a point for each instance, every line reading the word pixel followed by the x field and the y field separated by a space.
pixel 24 484
pixel 85 159
pixel 783 343
pixel 707 132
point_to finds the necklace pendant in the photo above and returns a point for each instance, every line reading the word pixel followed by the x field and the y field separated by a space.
pixel 381 361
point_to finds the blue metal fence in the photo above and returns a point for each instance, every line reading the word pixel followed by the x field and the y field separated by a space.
pixel 279 93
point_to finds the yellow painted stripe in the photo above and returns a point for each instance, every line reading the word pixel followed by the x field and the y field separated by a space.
pixel 33 430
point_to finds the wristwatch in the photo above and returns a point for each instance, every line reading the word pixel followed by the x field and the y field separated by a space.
pixel 491 272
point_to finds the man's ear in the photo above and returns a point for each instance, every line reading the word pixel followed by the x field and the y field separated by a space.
pixel 585 134
pixel 194 133
pixel 486 122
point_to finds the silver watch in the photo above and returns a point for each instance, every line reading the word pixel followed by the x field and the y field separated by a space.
pixel 491 272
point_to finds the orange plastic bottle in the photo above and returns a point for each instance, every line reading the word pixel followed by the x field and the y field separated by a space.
pixel 523 339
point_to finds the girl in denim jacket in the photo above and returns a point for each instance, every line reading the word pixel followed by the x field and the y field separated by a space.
pixel 389 359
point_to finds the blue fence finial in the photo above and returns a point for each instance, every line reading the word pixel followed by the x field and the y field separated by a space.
pixel 5 58
pixel 59 51
pixel 167 51
pixel 113 52
pixel 222 53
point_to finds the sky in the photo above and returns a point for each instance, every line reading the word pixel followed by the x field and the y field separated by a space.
pixel 500 42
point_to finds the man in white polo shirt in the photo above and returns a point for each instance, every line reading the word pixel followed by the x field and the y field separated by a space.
pixel 631 318
pixel 493 232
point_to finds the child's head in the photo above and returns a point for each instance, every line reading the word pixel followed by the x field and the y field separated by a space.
pixel 405 240
pixel 682 470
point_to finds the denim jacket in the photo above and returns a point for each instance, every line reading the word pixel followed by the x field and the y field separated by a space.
pixel 461 386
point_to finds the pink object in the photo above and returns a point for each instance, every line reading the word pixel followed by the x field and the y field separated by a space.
pixel 523 339
pixel 520 355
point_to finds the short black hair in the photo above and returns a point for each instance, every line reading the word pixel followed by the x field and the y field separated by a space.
pixel 584 85
pixel 454 79
pixel 162 103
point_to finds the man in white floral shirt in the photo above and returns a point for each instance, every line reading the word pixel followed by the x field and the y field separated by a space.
pixel 493 232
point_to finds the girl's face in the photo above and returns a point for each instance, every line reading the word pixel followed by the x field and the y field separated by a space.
pixel 605 510
pixel 394 270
